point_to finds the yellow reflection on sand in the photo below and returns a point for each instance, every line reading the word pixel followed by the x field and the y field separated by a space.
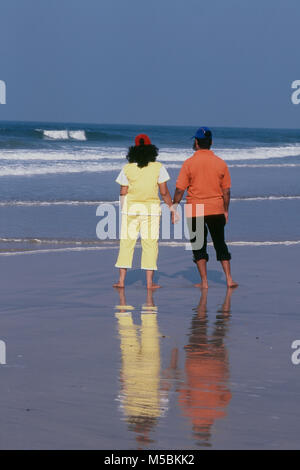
pixel 141 399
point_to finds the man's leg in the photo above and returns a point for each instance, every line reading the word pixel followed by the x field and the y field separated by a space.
pixel 216 225
pixel 200 254
pixel 201 265
pixel 227 271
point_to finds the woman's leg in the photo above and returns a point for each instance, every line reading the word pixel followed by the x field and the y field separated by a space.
pixel 122 275
pixel 149 280
pixel 149 240
pixel 129 233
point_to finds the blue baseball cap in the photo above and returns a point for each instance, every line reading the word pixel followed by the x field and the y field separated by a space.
pixel 201 133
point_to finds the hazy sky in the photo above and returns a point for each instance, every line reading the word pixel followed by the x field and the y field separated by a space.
pixel 214 62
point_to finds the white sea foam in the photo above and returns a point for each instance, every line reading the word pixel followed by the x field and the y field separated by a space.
pixel 259 153
pixel 58 168
pixel 56 203
pixel 265 198
pixel 239 243
pixel 53 241
pixel 77 135
pixel 56 135
pixel 245 165
pixel 62 155
pixel 56 250
pixel 228 154
pixel 166 154
pixel 100 159
pixel 63 134
pixel 106 246
pixel 116 203
pixel 268 165
pixel 266 243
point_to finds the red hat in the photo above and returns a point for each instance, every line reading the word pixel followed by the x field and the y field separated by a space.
pixel 145 138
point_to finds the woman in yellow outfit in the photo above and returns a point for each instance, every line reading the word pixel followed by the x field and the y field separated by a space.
pixel 141 180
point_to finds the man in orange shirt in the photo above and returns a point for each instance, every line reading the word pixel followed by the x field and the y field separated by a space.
pixel 207 180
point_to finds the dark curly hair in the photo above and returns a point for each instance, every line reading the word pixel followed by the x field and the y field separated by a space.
pixel 142 154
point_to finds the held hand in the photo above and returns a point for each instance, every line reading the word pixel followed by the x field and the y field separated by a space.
pixel 226 216
pixel 174 215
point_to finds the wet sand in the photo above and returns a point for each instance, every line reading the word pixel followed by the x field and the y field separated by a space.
pixel 87 368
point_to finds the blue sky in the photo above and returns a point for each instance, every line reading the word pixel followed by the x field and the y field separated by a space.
pixel 223 63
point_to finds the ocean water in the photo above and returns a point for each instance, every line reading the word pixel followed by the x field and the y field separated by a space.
pixel 53 177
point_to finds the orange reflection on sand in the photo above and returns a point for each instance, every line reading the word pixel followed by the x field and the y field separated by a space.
pixel 205 394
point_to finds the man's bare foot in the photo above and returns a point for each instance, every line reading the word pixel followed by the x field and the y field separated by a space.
pixel 202 285
pixel 231 284
pixel 153 286
pixel 119 285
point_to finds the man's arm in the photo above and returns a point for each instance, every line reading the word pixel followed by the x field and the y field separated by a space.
pixel 226 198
pixel 165 194
pixel 176 200
pixel 183 181
pixel 178 195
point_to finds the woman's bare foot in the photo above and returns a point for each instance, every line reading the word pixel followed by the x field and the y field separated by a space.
pixel 202 285
pixel 149 280
pixel 153 286
pixel 121 283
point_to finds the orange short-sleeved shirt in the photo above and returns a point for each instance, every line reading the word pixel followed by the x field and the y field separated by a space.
pixel 204 175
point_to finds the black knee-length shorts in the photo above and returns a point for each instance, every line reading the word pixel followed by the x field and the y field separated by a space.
pixel 215 224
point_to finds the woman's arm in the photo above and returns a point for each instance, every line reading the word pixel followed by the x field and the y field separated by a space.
pixel 123 192
pixel 165 194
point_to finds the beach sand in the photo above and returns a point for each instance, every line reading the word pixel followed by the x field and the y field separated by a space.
pixel 195 372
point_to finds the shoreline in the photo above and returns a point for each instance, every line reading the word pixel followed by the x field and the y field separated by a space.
pixel 114 245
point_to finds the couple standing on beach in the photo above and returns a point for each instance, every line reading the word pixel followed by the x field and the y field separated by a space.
pixel 207 180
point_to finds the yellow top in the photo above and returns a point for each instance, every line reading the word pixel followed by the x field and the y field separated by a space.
pixel 142 197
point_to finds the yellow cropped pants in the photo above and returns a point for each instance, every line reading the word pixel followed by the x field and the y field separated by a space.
pixel 148 227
